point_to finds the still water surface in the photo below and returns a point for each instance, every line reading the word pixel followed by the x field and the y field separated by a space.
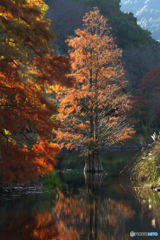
pixel 95 207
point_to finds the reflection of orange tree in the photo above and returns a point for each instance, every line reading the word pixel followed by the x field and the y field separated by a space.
pixel 72 215
pixel 120 209
pixel 70 219
pixel 114 220
pixel 37 226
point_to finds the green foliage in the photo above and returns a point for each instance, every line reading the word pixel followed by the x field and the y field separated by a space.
pixel 128 33
pixel 154 176
pixel 51 181
pixel 110 8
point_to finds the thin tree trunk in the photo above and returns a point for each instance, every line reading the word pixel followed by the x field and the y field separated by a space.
pixel 90 152
pixel 93 162
pixel 96 148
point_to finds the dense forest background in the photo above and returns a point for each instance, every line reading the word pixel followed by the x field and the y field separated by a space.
pixel 140 51
pixel 147 14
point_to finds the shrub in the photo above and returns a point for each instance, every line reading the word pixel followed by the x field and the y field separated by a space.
pixel 147 166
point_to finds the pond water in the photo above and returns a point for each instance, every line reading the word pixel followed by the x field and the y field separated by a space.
pixel 77 207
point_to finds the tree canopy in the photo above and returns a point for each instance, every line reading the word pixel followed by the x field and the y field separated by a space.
pixel 92 114
pixel 147 99
pixel 27 69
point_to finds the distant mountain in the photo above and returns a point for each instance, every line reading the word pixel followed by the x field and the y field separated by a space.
pixel 147 13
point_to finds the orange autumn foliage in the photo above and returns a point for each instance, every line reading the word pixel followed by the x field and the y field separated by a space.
pixel 25 226
pixel 93 113
pixel 27 69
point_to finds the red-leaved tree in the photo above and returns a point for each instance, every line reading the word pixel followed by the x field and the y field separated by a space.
pixel 27 69
pixel 147 98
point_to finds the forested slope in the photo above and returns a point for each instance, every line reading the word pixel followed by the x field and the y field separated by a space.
pixel 147 13
pixel 67 16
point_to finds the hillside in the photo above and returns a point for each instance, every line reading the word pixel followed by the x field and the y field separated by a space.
pixel 66 16
pixel 147 13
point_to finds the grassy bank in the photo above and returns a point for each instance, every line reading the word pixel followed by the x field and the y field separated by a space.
pixel 146 169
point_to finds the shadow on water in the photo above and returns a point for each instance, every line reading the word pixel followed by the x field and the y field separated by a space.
pixel 91 207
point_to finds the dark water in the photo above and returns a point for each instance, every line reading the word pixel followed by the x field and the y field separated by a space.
pixel 93 207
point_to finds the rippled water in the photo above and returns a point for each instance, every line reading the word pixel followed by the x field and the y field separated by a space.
pixel 84 207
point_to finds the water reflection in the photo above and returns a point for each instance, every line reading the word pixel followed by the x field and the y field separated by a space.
pixel 108 217
pixel 28 226
pixel 150 203
pixel 93 180
pixel 106 209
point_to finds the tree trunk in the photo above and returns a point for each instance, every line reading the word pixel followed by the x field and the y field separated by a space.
pixel 93 163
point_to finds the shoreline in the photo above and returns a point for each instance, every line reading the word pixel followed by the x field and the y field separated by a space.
pixel 111 148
